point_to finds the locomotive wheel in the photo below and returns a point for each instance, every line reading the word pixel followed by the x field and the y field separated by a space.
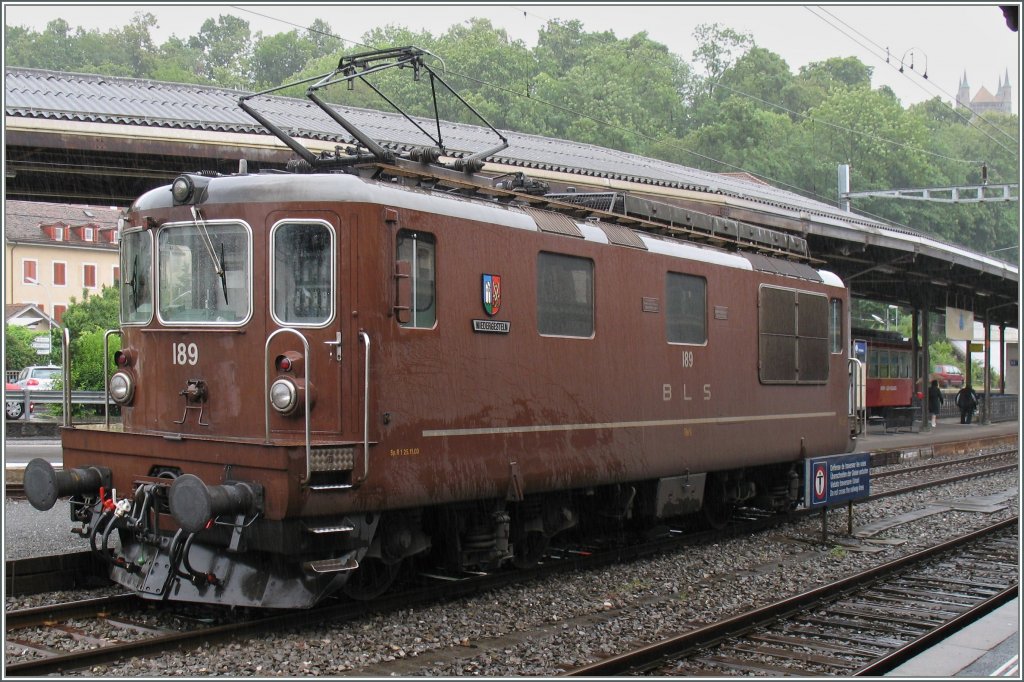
pixel 530 549
pixel 371 579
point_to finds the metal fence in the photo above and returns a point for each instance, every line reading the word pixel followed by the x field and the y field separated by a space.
pixel 28 398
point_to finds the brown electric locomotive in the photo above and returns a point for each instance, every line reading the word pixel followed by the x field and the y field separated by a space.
pixel 326 375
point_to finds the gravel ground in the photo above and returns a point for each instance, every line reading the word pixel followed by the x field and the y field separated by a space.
pixel 541 628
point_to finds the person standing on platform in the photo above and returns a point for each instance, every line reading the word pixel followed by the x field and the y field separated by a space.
pixel 967 401
pixel 935 401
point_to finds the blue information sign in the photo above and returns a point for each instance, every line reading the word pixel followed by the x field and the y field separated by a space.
pixel 835 479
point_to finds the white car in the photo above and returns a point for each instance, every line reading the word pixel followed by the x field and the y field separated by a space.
pixel 16 407
pixel 38 377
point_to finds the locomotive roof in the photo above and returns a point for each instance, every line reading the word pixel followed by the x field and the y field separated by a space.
pixel 338 187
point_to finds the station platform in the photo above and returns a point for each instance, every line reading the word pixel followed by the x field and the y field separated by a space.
pixel 989 647
pixel 950 437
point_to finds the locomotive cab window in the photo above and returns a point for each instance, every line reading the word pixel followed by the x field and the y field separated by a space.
pixel 302 272
pixel 137 284
pixel 417 251
pixel 793 336
pixel 685 309
pixel 204 273
pixel 565 295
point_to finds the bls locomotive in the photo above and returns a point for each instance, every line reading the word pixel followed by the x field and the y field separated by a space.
pixel 325 376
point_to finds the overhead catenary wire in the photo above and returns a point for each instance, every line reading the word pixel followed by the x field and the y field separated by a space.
pixel 969 120
pixel 517 93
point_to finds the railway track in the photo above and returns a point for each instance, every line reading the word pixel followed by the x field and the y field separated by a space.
pixel 125 637
pixel 82 570
pixel 864 625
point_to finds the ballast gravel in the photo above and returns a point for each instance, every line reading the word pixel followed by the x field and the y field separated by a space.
pixel 547 626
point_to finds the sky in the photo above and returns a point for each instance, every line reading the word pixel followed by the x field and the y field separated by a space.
pixel 941 40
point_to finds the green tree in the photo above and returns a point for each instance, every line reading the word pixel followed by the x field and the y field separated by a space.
pixel 277 58
pixel 226 48
pixel 87 321
pixel 87 360
pixel 18 350
pixel 178 62
pixel 718 47
pixel 93 313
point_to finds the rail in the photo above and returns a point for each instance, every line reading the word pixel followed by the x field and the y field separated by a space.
pixel 305 393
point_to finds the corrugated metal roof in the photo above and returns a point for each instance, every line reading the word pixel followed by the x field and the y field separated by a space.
pixel 38 93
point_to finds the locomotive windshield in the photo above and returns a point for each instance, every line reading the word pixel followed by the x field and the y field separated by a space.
pixel 137 284
pixel 204 273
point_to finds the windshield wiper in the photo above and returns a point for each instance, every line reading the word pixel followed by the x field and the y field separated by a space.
pixel 209 249
pixel 134 282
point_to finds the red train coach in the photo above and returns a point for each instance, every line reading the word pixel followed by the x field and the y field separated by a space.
pixel 887 359
pixel 326 376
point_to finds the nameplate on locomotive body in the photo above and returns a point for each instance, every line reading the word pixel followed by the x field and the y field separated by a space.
pixel 492 326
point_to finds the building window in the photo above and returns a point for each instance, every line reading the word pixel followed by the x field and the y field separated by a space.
pixel 115 275
pixel 565 295
pixel 58 311
pixel 419 249
pixel 87 234
pixel 58 234
pixel 685 309
pixel 60 274
pixel 29 273
pixel 89 276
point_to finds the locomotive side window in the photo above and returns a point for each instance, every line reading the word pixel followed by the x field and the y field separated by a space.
pixel 419 250
pixel 793 336
pixel 685 309
pixel 302 271
pixel 137 286
pixel 835 325
pixel 204 273
pixel 565 295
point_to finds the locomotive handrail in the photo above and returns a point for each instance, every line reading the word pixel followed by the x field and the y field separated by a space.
pixel 106 381
pixel 859 411
pixel 305 393
pixel 65 363
pixel 365 338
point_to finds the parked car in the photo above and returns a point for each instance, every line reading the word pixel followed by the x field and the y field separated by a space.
pixel 38 377
pixel 14 408
pixel 949 376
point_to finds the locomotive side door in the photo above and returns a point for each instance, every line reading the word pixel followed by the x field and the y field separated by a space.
pixel 308 286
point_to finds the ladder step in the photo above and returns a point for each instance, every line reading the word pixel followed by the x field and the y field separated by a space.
pixel 331 565
pixel 325 530
pixel 339 486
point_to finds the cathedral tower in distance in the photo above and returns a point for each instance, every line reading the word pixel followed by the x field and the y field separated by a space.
pixel 984 101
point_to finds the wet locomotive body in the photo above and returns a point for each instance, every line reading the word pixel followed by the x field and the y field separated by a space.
pixel 325 376
pixel 473 379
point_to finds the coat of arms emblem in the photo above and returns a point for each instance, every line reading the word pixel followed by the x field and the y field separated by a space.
pixel 492 294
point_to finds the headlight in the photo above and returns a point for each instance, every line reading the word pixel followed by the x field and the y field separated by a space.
pixel 181 188
pixel 122 388
pixel 284 396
